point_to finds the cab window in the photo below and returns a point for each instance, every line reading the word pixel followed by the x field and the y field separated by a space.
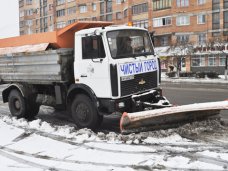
pixel 92 47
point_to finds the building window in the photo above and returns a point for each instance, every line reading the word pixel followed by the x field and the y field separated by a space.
pixel 211 61
pixel 61 24
pixel 60 13
pixel 215 4
pixel 201 2
pixel 94 6
pixel 28 2
pixel 141 8
pixel 102 8
pixel 29 12
pixel 182 38
pixel 225 19
pixel 21 3
pixel 71 10
pixel 215 34
pixel 60 2
pixel 118 15
pixel 109 17
pixel 164 40
pixel 164 21
pixel 161 4
pixel 222 60
pixel 141 23
pixel 83 9
pixel 216 21
pixel 183 20
pixel 50 7
pixel 125 13
pixel 102 18
pixel 44 2
pixel 198 61
pixel 182 3
pixel 109 7
pixel 202 38
pixel 201 19
pixel 225 5
pixel 71 21
pixel 118 1
pixel 21 14
pixel 22 23
pixel 29 22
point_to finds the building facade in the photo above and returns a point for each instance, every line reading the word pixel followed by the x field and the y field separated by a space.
pixel 172 21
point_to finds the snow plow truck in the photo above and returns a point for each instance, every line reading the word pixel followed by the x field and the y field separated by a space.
pixel 91 69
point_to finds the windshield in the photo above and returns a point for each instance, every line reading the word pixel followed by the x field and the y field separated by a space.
pixel 129 43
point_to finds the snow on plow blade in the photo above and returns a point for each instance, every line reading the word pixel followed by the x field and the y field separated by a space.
pixel 169 117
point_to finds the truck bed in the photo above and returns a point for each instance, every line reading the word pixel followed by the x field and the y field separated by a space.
pixel 44 67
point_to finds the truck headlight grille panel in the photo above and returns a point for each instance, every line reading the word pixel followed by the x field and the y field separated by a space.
pixel 140 83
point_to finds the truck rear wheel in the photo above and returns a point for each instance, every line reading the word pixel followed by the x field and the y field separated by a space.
pixel 84 112
pixel 20 108
pixel 33 110
pixel 17 105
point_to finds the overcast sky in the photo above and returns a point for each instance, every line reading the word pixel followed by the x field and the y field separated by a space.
pixel 9 18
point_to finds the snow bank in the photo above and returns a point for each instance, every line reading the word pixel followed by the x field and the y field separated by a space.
pixel 87 135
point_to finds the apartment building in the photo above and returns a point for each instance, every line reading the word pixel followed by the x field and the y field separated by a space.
pixel 36 16
pixel 195 21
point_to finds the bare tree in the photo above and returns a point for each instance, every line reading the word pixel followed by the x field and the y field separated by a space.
pixel 179 50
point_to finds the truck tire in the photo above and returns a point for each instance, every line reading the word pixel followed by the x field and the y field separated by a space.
pixel 33 110
pixel 84 112
pixel 20 108
pixel 17 104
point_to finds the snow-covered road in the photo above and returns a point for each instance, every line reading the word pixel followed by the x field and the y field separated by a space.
pixel 53 143
pixel 38 145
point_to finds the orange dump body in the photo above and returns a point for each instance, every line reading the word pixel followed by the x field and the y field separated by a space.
pixel 63 38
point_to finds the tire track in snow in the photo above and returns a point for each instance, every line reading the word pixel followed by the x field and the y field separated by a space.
pixel 37 156
pixel 25 162
pixel 159 149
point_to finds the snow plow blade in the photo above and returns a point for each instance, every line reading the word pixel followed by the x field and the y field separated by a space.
pixel 169 117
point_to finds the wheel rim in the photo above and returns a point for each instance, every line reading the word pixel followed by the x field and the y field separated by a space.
pixel 82 112
pixel 17 104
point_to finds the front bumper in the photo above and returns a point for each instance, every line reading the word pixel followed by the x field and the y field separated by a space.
pixel 139 102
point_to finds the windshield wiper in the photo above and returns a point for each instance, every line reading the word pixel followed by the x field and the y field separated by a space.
pixel 126 56
pixel 145 54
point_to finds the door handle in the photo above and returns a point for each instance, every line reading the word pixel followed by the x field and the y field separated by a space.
pixel 83 75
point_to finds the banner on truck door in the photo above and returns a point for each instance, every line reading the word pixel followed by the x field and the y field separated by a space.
pixel 138 67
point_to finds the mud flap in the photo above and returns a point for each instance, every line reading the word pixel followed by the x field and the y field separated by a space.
pixel 169 117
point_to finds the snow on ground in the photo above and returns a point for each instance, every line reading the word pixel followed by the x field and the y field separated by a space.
pixel 38 145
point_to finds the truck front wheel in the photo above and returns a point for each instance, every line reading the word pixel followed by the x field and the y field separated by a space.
pixel 84 112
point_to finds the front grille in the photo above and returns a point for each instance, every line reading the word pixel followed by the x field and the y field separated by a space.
pixel 133 86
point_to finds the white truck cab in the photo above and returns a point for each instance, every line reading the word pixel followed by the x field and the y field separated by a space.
pixel 119 65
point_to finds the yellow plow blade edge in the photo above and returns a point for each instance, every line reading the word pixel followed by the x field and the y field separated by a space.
pixel 169 117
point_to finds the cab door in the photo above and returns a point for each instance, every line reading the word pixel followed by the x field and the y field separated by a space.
pixel 92 65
